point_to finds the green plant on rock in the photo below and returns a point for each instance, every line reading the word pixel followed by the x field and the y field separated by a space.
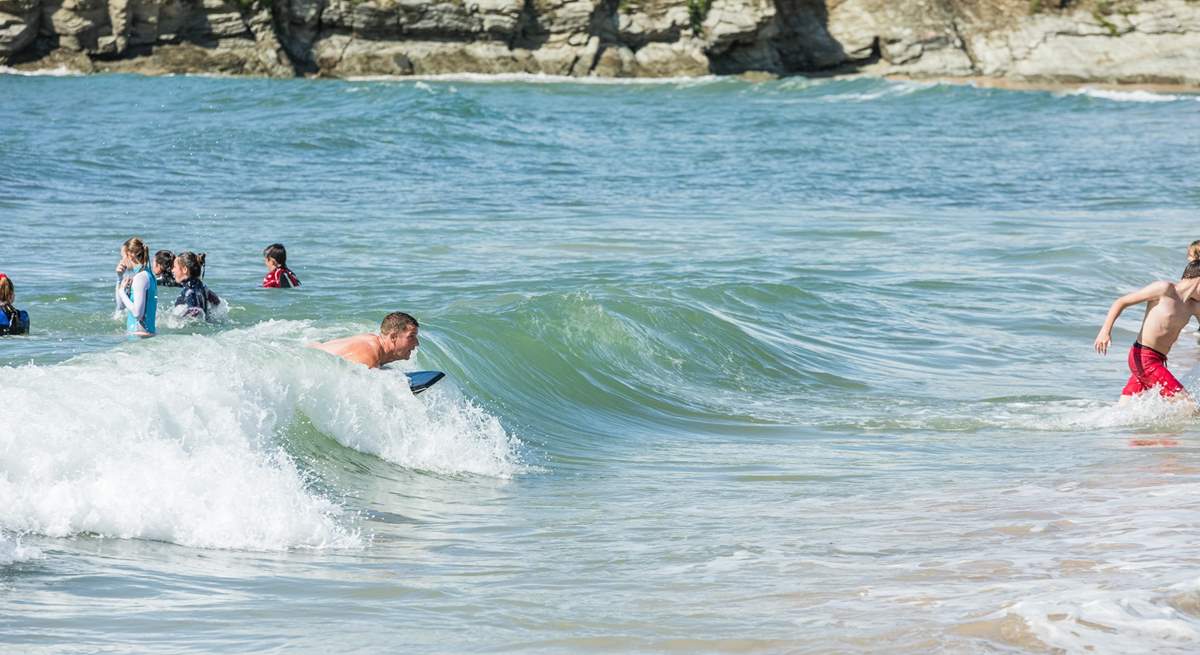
pixel 1035 6
pixel 1105 23
pixel 697 12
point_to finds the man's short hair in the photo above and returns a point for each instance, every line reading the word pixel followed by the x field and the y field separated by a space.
pixel 397 322
pixel 1192 270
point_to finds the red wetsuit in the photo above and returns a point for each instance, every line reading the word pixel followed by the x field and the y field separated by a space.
pixel 280 278
pixel 1149 368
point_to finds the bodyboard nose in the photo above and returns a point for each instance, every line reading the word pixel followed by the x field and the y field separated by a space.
pixel 419 381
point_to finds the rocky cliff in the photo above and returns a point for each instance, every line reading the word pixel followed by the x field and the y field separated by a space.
pixel 1114 41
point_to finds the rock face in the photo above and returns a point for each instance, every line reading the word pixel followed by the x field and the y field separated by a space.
pixel 1117 41
pixel 1049 41
pixel 152 36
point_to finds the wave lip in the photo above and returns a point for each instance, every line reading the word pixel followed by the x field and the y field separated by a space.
pixel 374 412
pixel 184 439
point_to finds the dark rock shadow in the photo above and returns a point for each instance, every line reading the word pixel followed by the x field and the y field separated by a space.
pixel 529 34
pixel 800 44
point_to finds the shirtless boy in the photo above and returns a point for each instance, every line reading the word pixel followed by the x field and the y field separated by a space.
pixel 1169 307
pixel 396 340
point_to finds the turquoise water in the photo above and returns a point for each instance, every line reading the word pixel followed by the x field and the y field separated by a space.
pixel 793 366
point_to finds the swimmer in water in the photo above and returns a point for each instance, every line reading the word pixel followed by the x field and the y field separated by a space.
pixel 279 276
pixel 194 295
pixel 164 260
pixel 12 320
pixel 1169 307
pixel 396 340
pixel 137 294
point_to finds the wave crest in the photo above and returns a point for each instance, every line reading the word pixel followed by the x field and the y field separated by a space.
pixel 179 439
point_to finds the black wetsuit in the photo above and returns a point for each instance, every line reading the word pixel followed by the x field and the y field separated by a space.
pixel 195 296
pixel 13 320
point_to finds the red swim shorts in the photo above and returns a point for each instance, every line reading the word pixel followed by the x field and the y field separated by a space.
pixel 1149 368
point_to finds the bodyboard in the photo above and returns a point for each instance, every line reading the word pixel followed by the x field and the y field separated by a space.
pixel 419 381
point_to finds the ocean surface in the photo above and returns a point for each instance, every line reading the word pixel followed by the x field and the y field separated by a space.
pixel 800 366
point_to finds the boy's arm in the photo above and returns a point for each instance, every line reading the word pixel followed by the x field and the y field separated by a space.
pixel 1149 292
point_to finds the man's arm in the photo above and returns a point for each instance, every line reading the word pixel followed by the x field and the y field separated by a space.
pixel 1149 292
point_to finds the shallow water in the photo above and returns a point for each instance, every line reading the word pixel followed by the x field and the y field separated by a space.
pixel 794 366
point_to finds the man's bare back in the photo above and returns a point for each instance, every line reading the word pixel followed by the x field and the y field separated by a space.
pixel 364 349
pixel 396 340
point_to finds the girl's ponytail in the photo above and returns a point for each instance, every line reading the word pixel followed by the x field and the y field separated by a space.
pixel 137 251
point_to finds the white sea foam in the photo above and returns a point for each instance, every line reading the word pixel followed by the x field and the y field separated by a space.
pixel 59 71
pixel 1129 96
pixel 12 551
pixel 890 89
pixel 176 317
pixel 1148 411
pixel 375 413
pixel 538 78
pixel 1095 619
pixel 176 439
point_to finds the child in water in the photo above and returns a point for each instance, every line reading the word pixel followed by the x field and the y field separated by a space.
pixel 1169 307
pixel 12 320
pixel 137 294
pixel 164 260
pixel 1194 255
pixel 197 299
pixel 278 274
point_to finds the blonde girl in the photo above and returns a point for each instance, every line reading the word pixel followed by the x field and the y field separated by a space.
pixel 137 294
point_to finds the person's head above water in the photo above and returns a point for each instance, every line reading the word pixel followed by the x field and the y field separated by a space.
pixel 7 293
pixel 163 259
pixel 275 256
pixel 135 252
pixel 188 265
pixel 398 335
